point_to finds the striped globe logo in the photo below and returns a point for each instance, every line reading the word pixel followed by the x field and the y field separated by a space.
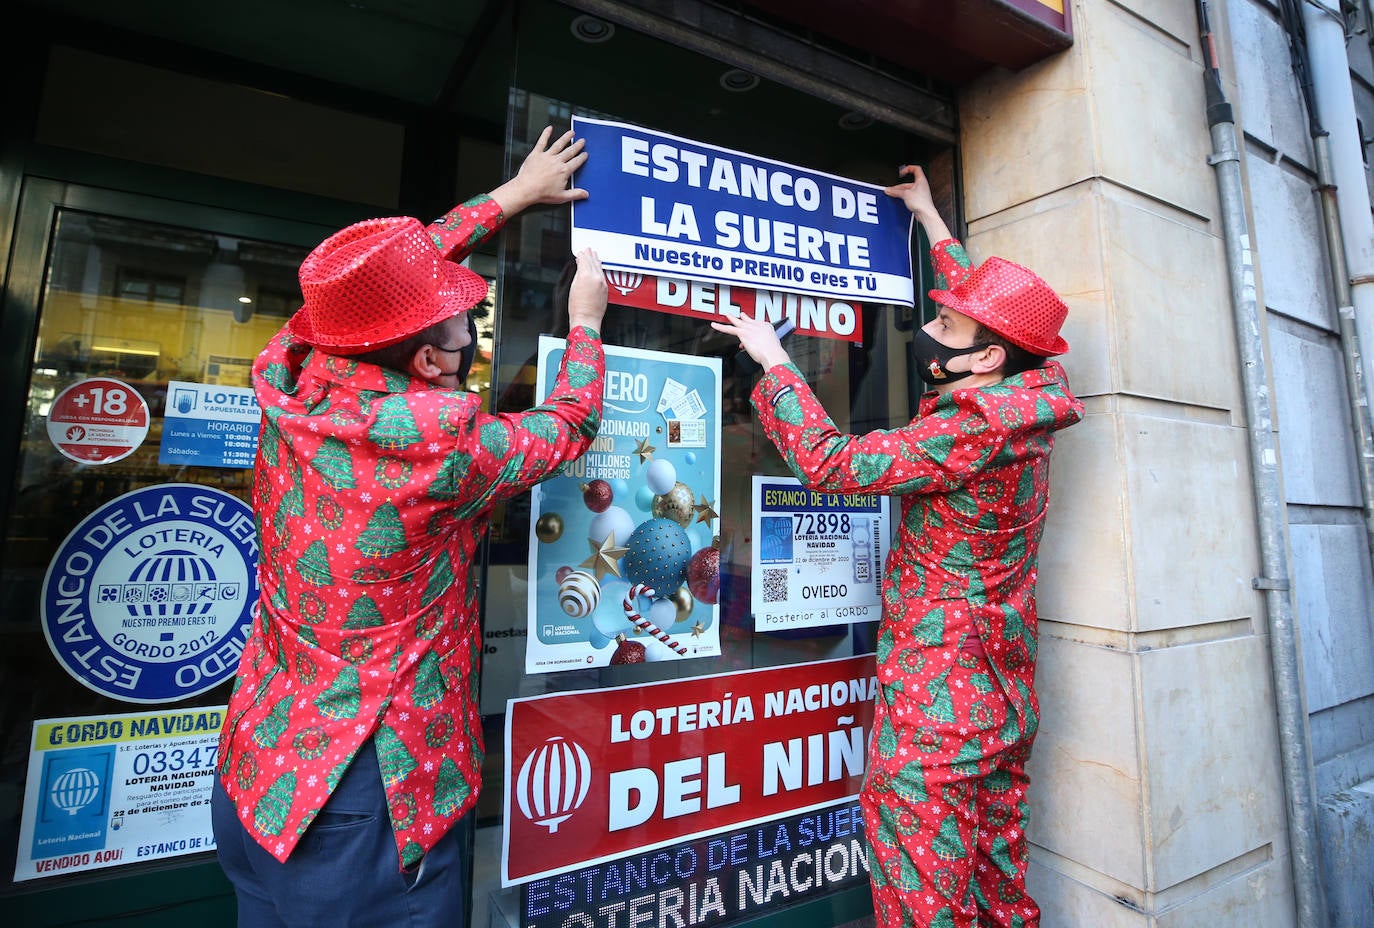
pixel 169 582
pixel 624 281
pixel 75 789
pixel 553 782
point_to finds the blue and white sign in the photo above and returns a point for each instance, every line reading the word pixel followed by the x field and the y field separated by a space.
pixel 669 206
pixel 151 598
pixel 208 425
pixel 622 540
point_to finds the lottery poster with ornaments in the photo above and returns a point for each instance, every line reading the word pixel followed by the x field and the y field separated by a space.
pixel 624 541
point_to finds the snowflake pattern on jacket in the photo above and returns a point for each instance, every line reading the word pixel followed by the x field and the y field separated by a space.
pixel 972 471
pixel 372 491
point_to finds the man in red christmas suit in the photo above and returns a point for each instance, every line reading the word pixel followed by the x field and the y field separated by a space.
pixel 945 796
pixel 351 755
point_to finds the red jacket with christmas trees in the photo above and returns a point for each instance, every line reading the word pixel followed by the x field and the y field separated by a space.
pixel 972 471
pixel 372 491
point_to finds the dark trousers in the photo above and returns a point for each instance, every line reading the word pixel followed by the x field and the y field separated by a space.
pixel 345 870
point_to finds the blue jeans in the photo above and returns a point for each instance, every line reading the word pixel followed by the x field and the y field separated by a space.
pixel 345 870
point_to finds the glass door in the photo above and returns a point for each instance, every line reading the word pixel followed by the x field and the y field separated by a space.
pixel 128 559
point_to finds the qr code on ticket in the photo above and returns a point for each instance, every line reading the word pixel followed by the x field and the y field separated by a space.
pixel 775 585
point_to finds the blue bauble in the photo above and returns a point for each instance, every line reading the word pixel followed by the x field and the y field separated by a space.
pixel 644 499
pixel 614 521
pixel 658 556
pixel 608 619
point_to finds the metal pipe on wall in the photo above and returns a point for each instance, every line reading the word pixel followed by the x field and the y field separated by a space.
pixel 1348 224
pixel 1295 752
pixel 1335 104
pixel 1349 339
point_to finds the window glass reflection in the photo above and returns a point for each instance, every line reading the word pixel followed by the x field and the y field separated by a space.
pixel 131 306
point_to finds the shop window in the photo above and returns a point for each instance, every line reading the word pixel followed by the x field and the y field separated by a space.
pixel 146 286
pixel 864 384
pixel 137 401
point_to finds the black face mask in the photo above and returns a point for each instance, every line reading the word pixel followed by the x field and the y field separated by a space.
pixel 466 355
pixel 932 359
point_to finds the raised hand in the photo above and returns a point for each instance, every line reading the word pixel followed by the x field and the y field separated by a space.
pixel 915 193
pixel 587 298
pixel 545 174
pixel 756 337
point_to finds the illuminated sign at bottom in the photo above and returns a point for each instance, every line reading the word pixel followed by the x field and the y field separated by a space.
pixel 716 880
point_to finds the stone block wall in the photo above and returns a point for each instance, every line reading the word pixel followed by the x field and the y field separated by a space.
pixel 1157 795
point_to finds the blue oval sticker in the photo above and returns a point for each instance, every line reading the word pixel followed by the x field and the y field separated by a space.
pixel 151 598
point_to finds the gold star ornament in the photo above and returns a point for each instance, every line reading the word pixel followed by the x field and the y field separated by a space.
pixel 698 630
pixel 645 450
pixel 705 511
pixel 604 557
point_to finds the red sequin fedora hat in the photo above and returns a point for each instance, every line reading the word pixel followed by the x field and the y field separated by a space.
pixel 1013 302
pixel 379 282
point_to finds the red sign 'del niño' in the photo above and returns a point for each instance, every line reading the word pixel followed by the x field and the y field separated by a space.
pixel 817 316
pixel 598 774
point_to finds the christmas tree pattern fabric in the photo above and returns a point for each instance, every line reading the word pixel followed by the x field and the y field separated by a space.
pixel 944 799
pixel 972 472
pixel 372 491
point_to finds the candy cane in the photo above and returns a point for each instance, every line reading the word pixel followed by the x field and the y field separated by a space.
pixel 639 622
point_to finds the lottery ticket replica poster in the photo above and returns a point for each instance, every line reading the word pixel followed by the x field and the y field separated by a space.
pixel 623 563
pixel 103 791
pixel 818 556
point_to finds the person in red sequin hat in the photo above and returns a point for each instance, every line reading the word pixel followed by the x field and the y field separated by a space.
pixel 350 760
pixel 944 798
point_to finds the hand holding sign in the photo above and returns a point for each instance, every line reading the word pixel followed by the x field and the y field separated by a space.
pixel 587 298
pixel 915 193
pixel 759 339
pixel 544 175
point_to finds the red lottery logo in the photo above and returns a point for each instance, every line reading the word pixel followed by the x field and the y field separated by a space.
pixel 624 281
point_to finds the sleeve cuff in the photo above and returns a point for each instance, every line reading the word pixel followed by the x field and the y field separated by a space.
pixel 466 226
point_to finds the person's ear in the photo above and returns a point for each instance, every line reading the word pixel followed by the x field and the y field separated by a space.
pixel 989 360
pixel 424 364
